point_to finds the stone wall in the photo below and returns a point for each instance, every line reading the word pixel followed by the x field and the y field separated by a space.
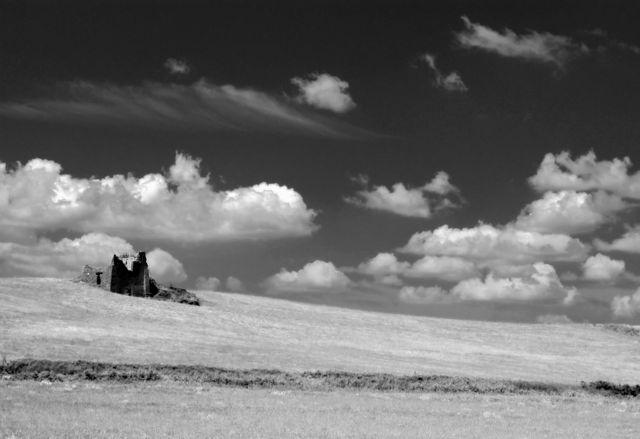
pixel 92 275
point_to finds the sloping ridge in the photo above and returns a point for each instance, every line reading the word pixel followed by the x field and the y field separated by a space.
pixel 61 320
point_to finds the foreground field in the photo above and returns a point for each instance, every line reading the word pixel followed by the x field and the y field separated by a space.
pixel 73 410
pixel 56 319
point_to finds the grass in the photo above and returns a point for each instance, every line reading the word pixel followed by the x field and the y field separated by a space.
pixel 165 409
pixel 52 371
pixel 61 320
pixel 81 362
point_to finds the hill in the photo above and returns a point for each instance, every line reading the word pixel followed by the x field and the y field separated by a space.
pixel 61 320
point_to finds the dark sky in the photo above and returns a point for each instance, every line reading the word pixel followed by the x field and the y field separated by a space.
pixel 404 127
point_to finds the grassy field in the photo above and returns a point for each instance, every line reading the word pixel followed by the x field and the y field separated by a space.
pixel 62 320
pixel 30 409
pixel 379 375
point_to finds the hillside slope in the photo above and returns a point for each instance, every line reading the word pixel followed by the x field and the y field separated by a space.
pixel 57 319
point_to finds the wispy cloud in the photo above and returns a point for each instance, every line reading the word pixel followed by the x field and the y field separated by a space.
pixel 200 105
pixel 449 82
pixel 602 41
pixel 177 66
pixel 536 46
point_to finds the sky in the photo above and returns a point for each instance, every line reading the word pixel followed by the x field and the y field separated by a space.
pixel 470 160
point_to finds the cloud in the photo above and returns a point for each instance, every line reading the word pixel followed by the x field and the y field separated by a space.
pixel 65 258
pixel 604 42
pixel 553 319
pixel 423 295
pixel 535 46
pixel 626 306
pixel 569 212
pixel 316 276
pixel 164 268
pixel 627 47
pixel 442 267
pixel 485 244
pixel 602 268
pixel 181 206
pixel 629 242
pixel 383 264
pixel 208 283
pixel 177 66
pixel 200 105
pixel 235 285
pixel 324 91
pixel 450 82
pixel 541 283
pixel 418 202
pixel 585 173
pixel 385 267
pixel 441 185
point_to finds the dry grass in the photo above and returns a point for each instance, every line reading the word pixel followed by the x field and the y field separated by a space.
pixel 166 410
pixel 60 320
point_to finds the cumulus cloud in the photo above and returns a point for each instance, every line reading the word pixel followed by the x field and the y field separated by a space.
pixel 533 46
pixel 385 268
pixel 208 283
pixel 449 82
pixel 419 202
pixel 602 268
pixel 65 258
pixel 553 319
pixel 569 212
pixel 423 295
pixel 629 242
pixel 181 206
pixel 485 243
pixel 586 173
pixel 164 268
pixel 383 264
pixel 235 285
pixel 177 66
pixel 200 105
pixel 442 267
pixel 541 283
pixel 626 306
pixel 324 91
pixel 316 276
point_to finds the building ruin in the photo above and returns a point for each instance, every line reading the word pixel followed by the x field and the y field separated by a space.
pixel 128 274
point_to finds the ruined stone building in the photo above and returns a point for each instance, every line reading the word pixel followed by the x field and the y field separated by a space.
pixel 126 274
pixel 129 275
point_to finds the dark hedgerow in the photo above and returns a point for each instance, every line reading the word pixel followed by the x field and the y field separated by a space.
pixel 611 389
pixel 31 369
